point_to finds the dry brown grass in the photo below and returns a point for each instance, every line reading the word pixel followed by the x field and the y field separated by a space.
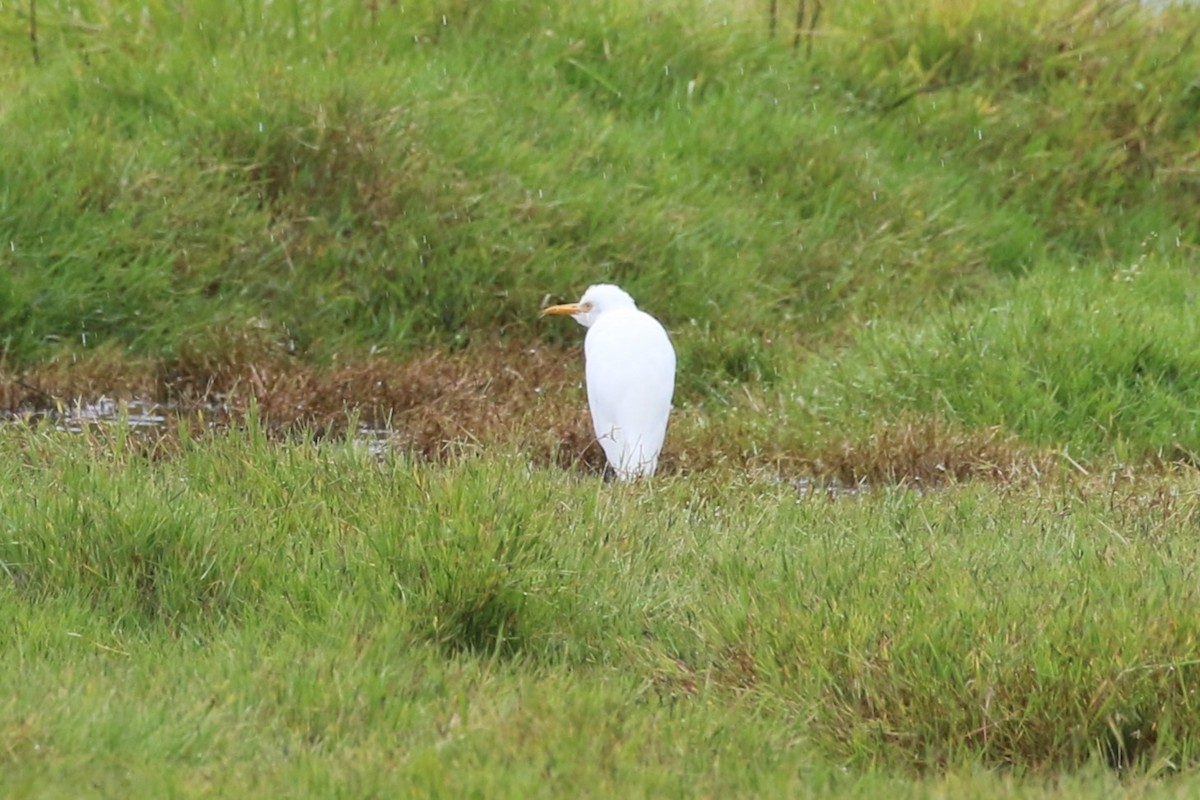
pixel 929 452
pixel 440 403
pixel 433 405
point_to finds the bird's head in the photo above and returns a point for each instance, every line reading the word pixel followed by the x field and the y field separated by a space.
pixel 595 301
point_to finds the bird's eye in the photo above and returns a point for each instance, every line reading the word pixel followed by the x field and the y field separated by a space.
pixel 586 306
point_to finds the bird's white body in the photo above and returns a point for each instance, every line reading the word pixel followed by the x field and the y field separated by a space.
pixel 630 369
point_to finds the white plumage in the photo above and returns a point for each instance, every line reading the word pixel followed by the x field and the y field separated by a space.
pixel 630 369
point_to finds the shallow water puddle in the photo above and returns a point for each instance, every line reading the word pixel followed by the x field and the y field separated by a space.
pixel 135 414
pixel 81 416
pixel 147 416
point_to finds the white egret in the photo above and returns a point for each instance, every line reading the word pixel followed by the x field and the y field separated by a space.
pixel 630 367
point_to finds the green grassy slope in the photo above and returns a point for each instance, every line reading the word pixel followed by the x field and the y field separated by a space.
pixel 324 180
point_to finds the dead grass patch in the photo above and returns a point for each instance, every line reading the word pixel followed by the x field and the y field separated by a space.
pixel 929 452
pixel 432 405
pixel 439 404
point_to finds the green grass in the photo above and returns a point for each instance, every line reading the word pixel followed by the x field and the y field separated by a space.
pixel 955 240
pixel 328 181
pixel 1108 357
pixel 246 616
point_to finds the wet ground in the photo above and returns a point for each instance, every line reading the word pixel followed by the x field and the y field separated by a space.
pixel 78 416
pixel 440 404
pixel 430 407
pixel 147 416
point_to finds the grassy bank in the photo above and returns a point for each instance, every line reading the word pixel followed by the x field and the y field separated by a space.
pixel 315 184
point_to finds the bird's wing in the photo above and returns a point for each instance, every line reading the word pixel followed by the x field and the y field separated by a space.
pixel 630 381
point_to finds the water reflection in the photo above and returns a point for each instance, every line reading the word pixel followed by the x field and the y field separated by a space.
pixel 81 415
pixel 147 416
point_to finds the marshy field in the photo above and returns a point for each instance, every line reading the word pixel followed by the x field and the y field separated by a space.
pixel 299 497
